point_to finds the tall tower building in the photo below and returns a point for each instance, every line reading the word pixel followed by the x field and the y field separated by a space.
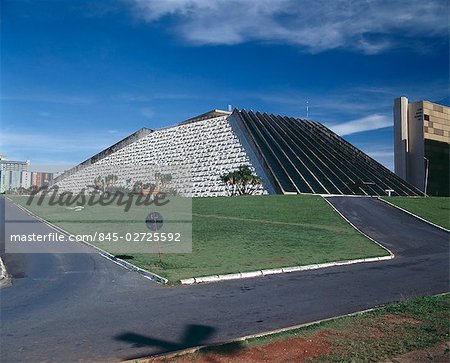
pixel 422 145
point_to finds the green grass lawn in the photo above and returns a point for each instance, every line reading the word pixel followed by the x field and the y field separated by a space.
pixel 379 335
pixel 238 234
pixel 433 209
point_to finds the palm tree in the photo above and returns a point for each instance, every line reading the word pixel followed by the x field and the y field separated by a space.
pixel 110 180
pixel 137 187
pixel 228 180
pixel 241 181
pixel 163 180
pixel 99 184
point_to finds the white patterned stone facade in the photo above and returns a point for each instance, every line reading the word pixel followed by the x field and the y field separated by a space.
pixel 198 153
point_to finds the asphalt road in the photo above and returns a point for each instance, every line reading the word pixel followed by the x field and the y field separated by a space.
pixel 82 307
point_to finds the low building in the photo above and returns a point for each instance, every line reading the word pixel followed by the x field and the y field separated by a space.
pixel 15 175
pixel 10 174
pixel 422 145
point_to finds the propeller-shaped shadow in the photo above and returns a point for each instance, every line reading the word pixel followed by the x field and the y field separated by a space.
pixel 194 336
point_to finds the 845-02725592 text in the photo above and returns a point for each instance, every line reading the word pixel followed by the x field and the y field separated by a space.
pixel 100 237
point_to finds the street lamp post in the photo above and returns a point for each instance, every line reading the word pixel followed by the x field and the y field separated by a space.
pixel 427 164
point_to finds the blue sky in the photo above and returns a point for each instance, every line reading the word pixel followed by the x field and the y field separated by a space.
pixel 77 76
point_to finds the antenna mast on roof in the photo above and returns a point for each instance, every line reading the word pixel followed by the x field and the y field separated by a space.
pixel 307 109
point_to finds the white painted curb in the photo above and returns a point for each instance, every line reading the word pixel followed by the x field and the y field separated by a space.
pixel 188 281
pixel 414 215
pixel 129 266
pixel 245 275
pixel 213 278
pixel 260 273
pixel 272 271
pixel 294 268
pixel 242 275
pixel 229 276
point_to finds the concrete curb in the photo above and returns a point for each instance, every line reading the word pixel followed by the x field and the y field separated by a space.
pixel 103 253
pixel 414 215
pixel 261 273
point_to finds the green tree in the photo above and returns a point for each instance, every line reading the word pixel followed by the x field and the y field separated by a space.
pixel 241 181
pixel 99 184
pixel 111 180
pixel 163 180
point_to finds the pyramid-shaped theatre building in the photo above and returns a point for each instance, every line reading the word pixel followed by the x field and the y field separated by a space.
pixel 292 156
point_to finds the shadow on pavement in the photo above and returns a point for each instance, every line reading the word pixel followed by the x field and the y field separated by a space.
pixel 124 257
pixel 194 336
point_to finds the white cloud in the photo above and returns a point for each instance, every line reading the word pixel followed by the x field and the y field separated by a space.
pixel 311 24
pixel 147 112
pixel 155 96
pixel 368 123
pixel 51 98
pixel 28 142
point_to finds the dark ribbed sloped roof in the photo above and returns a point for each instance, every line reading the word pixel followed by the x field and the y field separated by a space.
pixel 306 157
